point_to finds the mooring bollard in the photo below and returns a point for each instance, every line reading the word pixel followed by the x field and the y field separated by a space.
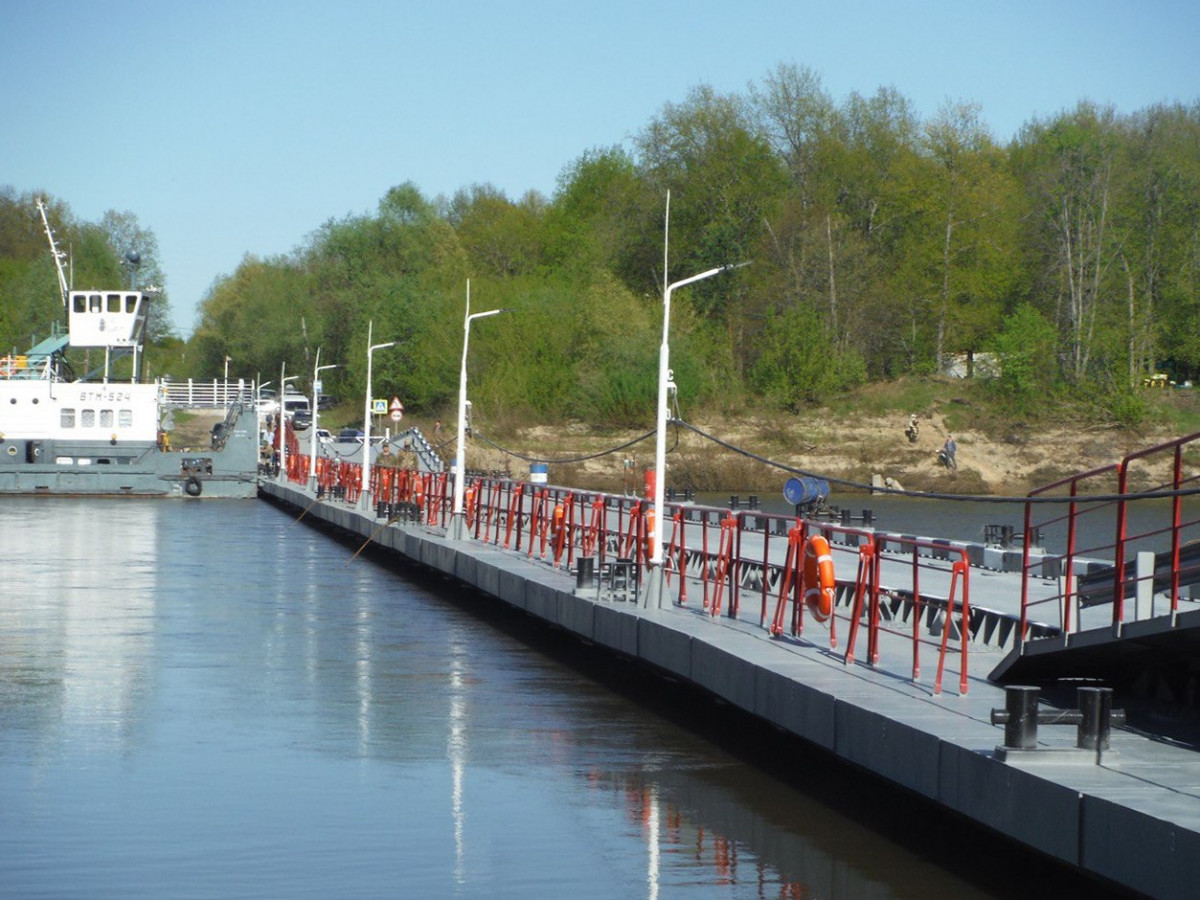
pixel 1093 719
pixel 585 573
pixel 1096 718
pixel 1019 717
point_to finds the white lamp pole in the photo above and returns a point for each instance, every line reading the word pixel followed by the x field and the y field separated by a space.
pixel 316 404
pixel 366 463
pixel 655 584
pixel 281 420
pixel 458 529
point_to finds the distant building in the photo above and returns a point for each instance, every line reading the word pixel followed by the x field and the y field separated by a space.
pixel 967 365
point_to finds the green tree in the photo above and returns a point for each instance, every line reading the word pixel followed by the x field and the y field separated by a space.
pixel 1024 342
pixel 958 207
pixel 724 181
pixel 499 237
pixel 1158 205
pixel 1068 167
pixel 797 365
pixel 591 222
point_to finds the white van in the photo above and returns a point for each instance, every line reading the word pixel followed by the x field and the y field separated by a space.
pixel 297 408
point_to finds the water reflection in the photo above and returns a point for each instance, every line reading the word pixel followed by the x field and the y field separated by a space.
pixel 77 631
pixel 206 694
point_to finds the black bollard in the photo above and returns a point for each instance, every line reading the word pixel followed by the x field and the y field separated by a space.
pixel 1019 717
pixel 734 500
pixel 1097 718
pixel 585 574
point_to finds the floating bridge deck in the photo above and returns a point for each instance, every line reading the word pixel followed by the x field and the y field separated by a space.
pixel 896 682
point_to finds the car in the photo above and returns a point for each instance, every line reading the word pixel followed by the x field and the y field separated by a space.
pixel 324 436
pixel 350 435
pixel 301 419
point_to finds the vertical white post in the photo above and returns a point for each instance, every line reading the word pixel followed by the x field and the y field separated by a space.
pixel 458 529
pixel 364 499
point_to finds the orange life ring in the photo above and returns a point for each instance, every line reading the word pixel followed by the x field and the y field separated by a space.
pixel 819 584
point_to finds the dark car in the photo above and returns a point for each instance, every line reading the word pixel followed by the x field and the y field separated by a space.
pixel 301 419
pixel 350 435
pixel 326 401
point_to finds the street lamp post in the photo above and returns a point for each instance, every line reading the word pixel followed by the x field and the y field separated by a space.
pixel 458 530
pixel 316 405
pixel 655 583
pixel 281 420
pixel 366 463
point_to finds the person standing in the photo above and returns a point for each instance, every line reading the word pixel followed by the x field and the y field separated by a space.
pixel 949 449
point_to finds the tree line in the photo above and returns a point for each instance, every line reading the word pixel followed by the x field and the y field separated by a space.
pixel 882 245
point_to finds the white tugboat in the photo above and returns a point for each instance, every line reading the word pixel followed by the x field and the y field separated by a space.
pixel 94 434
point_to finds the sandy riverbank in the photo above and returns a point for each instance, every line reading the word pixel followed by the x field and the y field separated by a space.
pixel 853 451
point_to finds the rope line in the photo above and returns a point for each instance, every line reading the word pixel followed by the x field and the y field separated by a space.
pixel 573 459
pixel 931 495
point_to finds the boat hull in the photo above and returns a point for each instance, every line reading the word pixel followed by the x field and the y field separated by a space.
pixel 133 468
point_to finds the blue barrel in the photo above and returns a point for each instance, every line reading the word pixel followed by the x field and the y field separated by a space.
pixel 805 489
pixel 538 472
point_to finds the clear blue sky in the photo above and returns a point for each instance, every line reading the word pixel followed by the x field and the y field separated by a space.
pixel 234 128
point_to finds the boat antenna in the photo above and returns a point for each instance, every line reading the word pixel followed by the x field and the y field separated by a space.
pixel 54 251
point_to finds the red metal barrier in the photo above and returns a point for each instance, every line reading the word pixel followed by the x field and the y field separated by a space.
pixel 1081 587
pixel 725 564
pixel 561 524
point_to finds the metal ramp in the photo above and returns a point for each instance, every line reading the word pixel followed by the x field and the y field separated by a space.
pixel 1161 650
pixel 1134 620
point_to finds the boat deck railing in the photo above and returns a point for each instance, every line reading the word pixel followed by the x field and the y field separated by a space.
pixel 216 393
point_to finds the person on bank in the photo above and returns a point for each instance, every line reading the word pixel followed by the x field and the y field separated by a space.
pixel 913 430
pixel 946 454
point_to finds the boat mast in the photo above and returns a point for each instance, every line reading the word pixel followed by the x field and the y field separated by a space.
pixel 55 252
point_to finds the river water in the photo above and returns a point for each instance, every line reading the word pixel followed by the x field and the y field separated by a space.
pixel 205 699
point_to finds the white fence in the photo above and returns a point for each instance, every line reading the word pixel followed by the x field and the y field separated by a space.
pixel 216 394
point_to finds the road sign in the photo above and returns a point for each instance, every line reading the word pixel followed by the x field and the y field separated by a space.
pixel 397 409
pixel 379 407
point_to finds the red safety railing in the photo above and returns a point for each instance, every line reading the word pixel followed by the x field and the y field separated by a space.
pixel 900 608
pixel 1106 571
pixel 723 552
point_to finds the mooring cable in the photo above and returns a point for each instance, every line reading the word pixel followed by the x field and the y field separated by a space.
pixel 573 459
pixel 933 495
